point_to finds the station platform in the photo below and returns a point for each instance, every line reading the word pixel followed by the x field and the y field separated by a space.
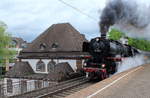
pixel 133 83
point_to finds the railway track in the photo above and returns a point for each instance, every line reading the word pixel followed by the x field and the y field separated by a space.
pixel 67 88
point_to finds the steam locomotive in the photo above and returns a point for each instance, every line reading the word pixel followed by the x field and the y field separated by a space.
pixel 105 54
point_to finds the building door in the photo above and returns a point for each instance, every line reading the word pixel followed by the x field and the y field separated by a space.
pixel 79 64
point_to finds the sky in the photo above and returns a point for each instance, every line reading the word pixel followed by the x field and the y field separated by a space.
pixel 29 18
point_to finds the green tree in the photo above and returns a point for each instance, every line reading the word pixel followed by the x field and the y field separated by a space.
pixel 5 41
pixel 115 34
pixel 139 43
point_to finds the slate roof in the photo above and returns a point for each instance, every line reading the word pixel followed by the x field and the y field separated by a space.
pixel 58 41
pixel 20 69
pixel 60 72
pixel 62 36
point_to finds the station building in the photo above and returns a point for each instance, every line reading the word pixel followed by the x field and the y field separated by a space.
pixel 59 43
pixel 52 56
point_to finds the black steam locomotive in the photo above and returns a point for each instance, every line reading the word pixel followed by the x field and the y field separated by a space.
pixel 105 54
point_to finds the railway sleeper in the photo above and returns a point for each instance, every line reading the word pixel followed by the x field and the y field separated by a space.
pixel 66 93
pixel 56 96
pixel 61 94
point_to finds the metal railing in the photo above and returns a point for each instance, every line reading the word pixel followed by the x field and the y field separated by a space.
pixel 22 86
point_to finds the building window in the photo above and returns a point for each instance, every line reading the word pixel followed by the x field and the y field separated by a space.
pixel 38 84
pixel 42 46
pixel 79 64
pixel 23 86
pixel 51 66
pixel 9 86
pixel 14 44
pixel 54 45
pixel 40 66
pixel 23 45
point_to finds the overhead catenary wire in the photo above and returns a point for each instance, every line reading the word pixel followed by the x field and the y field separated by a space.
pixel 80 11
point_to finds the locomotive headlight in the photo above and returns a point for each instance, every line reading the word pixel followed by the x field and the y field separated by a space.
pixel 97 39
pixel 103 65
pixel 84 64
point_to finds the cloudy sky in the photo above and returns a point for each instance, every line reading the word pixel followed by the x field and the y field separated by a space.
pixel 29 18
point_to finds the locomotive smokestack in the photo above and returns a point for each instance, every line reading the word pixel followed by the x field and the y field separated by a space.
pixel 103 30
pixel 120 12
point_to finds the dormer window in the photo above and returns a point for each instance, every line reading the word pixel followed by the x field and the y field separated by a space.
pixel 54 45
pixel 23 45
pixel 42 46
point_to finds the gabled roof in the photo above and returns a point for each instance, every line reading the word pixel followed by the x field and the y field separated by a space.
pixel 59 37
pixel 61 72
pixel 20 69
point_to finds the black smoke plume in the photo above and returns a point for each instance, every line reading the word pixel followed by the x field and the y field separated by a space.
pixel 123 12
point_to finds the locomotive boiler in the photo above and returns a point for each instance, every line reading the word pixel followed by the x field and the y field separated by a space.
pixel 105 54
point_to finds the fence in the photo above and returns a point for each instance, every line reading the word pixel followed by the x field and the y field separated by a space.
pixel 12 87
